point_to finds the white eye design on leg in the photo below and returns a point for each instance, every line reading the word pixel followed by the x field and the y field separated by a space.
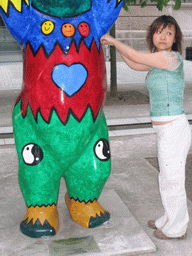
pixel 32 154
pixel 101 150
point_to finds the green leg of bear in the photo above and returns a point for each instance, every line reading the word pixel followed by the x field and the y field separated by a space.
pixel 79 152
pixel 86 179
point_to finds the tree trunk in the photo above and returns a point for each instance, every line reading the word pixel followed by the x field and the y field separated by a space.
pixel 113 70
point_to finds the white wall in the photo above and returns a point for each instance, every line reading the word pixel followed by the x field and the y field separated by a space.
pixel 131 26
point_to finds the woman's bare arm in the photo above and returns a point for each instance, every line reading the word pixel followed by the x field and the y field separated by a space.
pixel 157 59
pixel 134 65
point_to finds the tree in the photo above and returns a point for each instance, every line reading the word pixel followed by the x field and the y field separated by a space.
pixel 159 3
pixel 113 68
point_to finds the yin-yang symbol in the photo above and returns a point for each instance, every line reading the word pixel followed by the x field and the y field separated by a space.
pixel 101 150
pixel 32 154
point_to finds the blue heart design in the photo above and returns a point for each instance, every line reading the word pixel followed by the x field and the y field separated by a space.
pixel 69 79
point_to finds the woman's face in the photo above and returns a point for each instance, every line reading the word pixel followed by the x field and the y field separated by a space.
pixel 163 39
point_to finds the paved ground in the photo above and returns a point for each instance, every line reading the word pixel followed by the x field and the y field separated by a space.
pixel 133 178
pixel 134 175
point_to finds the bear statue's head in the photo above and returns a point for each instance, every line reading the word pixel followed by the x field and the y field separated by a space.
pixel 62 8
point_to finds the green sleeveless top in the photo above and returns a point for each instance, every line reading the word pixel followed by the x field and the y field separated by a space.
pixel 166 88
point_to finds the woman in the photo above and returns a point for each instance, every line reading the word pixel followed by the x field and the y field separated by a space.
pixel 165 82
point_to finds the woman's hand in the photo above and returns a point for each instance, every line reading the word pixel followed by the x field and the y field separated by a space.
pixel 107 39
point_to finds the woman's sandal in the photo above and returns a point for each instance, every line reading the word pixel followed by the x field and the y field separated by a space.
pixel 151 224
pixel 159 234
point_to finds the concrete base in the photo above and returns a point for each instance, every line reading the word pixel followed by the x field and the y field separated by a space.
pixel 121 234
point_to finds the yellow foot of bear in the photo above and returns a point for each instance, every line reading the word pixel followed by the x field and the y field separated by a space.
pixel 40 221
pixel 88 215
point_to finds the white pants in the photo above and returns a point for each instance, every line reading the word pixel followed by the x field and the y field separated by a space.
pixel 174 140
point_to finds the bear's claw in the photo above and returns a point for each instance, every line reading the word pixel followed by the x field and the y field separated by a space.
pixel 36 230
pixel 99 220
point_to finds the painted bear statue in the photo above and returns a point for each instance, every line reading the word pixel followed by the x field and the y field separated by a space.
pixel 59 125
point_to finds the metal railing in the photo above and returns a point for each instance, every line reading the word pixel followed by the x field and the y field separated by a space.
pixel 7 42
pixel 5 36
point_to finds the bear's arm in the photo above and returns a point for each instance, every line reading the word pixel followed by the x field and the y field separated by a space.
pixel 105 14
pixel 16 15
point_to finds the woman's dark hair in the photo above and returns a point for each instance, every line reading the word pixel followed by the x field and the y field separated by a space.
pixel 155 26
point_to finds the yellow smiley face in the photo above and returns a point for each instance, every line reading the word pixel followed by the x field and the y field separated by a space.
pixel 47 27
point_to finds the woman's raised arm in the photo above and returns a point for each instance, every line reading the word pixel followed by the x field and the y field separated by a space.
pixel 146 60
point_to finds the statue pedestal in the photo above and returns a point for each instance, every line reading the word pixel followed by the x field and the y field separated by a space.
pixel 121 234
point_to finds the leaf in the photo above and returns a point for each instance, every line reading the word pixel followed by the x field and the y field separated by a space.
pixel 159 4
pixel 177 4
